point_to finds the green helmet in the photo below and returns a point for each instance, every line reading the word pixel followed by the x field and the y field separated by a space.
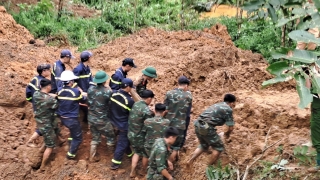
pixel 150 71
pixel 100 77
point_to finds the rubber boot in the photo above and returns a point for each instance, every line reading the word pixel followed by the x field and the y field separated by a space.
pixel 93 151
pixel 32 138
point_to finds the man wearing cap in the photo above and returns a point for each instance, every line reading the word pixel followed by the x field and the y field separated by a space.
pixel 120 73
pixel 68 111
pixel 85 78
pixel 120 106
pixel 154 128
pixel 177 102
pixel 140 84
pixel 44 115
pixel 98 103
pixel 58 68
pixel 139 113
pixel 205 128
pixel 34 85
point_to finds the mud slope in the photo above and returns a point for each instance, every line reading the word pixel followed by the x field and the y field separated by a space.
pixel 207 57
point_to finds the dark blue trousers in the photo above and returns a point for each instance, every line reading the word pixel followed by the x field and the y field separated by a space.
pixel 123 146
pixel 75 132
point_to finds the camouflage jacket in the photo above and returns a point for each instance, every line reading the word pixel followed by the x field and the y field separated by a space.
pixel 218 115
pixel 138 114
pixel 153 129
pixel 98 103
pixel 45 108
pixel 158 157
pixel 140 85
pixel 177 103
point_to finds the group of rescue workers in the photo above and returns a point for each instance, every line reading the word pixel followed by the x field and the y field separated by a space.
pixel 123 113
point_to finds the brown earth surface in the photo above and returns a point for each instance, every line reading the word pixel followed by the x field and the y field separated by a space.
pixel 209 58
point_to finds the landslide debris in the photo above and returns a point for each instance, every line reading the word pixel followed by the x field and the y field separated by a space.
pixel 209 58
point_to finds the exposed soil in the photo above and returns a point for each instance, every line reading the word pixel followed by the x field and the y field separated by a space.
pixel 222 10
pixel 208 58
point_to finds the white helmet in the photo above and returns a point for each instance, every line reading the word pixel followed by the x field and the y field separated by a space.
pixel 68 76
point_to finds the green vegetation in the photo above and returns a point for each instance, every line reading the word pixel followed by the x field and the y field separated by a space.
pixel 41 21
pixel 118 18
pixel 218 172
pixel 290 63
pixel 304 156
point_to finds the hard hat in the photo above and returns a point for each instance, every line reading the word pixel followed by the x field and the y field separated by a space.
pixel 68 76
pixel 150 71
pixel 100 77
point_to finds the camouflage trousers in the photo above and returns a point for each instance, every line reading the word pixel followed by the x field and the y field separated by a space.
pixel 147 150
pixel 136 143
pixel 154 175
pixel 178 143
pixel 49 133
pixel 210 139
pixel 105 129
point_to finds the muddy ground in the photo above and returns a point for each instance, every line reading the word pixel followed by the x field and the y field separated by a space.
pixel 209 58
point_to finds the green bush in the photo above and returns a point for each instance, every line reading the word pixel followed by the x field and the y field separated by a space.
pixel 220 173
pixel 127 16
pixel 259 36
pixel 41 21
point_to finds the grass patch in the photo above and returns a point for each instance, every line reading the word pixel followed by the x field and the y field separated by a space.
pixel 123 17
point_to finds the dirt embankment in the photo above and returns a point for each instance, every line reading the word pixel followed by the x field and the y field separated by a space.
pixel 209 58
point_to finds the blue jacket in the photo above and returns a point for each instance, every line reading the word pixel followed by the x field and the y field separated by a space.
pixel 68 100
pixel 33 86
pixel 85 77
pixel 116 79
pixel 57 68
pixel 120 105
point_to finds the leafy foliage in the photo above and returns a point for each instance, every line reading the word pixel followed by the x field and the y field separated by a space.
pixel 259 36
pixel 41 21
pixel 127 16
pixel 298 64
pixel 302 154
pixel 220 173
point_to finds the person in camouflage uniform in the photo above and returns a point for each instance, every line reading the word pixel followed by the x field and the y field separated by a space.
pixel 34 85
pixel 45 105
pixel 139 113
pixel 147 75
pixel 98 104
pixel 177 103
pixel 216 115
pixel 154 128
pixel 158 160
